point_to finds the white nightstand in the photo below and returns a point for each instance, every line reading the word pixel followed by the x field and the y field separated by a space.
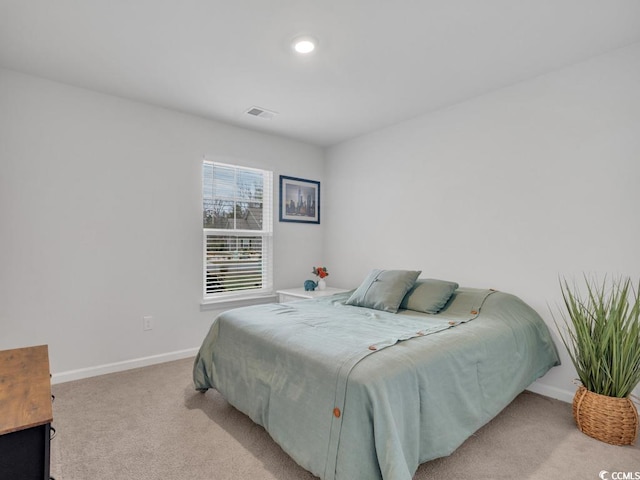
pixel 291 294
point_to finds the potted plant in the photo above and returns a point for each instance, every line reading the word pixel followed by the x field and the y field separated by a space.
pixel 602 337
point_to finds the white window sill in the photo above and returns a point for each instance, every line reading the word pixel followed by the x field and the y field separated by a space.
pixel 227 303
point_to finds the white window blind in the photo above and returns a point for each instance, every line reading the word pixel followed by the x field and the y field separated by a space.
pixel 237 231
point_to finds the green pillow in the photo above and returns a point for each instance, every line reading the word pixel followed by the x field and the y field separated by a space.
pixel 428 295
pixel 383 289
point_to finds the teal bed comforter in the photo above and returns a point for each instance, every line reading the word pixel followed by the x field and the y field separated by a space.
pixel 352 393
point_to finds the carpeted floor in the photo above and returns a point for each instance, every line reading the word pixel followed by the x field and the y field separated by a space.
pixel 150 423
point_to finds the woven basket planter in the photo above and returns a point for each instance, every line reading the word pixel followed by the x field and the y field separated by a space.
pixel 608 419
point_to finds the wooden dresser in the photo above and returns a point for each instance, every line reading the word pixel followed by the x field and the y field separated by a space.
pixel 25 413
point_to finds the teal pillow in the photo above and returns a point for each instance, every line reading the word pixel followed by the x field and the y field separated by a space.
pixel 428 295
pixel 383 289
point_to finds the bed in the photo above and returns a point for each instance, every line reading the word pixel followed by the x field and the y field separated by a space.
pixel 358 393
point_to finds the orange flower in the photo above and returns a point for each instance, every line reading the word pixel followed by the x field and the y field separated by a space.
pixel 320 271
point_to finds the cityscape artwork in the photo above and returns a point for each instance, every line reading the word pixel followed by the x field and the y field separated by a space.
pixel 299 200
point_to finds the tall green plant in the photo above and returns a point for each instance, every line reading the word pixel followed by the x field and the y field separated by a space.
pixel 602 335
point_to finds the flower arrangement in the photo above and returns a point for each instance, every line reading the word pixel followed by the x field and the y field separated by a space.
pixel 320 272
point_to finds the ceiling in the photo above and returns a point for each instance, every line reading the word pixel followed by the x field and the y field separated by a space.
pixel 378 62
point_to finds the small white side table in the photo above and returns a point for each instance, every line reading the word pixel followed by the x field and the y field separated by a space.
pixel 292 294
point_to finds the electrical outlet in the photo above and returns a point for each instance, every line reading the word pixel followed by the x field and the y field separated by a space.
pixel 147 322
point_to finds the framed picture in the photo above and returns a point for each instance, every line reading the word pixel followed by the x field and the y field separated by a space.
pixel 299 200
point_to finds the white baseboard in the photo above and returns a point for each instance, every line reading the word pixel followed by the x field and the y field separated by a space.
pixel 81 373
pixel 553 392
pixel 71 375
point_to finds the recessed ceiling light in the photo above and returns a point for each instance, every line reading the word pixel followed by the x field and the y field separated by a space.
pixel 304 45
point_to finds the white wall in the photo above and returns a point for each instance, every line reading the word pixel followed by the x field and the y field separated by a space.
pixel 100 222
pixel 508 190
pixel 100 206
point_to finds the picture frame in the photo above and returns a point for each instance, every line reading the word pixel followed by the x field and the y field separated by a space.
pixel 299 200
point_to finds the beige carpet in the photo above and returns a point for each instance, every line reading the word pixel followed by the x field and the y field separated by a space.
pixel 149 423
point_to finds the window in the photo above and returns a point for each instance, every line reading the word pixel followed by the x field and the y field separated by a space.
pixel 237 231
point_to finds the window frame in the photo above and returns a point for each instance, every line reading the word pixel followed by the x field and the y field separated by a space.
pixel 265 234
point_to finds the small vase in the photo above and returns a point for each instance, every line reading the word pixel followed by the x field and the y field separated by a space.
pixel 322 284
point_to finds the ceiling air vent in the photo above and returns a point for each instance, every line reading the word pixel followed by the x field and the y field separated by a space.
pixel 261 112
